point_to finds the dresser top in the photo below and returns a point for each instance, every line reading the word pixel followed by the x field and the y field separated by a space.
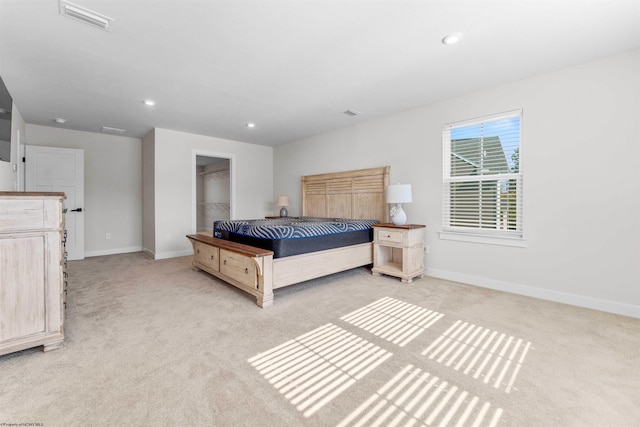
pixel 31 194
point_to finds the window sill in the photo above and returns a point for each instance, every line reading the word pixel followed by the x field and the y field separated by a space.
pixel 489 240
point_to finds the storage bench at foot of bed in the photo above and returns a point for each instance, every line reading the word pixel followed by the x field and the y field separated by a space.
pixel 246 267
pixel 255 271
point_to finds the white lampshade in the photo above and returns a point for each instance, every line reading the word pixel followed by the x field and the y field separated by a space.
pixel 283 201
pixel 399 193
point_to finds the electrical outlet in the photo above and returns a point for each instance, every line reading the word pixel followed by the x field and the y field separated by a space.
pixel 108 236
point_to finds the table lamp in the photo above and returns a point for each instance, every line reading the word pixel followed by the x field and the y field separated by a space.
pixel 398 194
pixel 283 202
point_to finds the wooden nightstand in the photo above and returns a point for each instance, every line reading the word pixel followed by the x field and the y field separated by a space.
pixel 398 251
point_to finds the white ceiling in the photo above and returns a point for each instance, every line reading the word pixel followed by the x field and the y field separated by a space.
pixel 292 67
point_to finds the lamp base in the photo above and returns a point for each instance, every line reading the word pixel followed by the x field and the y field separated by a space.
pixel 283 212
pixel 398 217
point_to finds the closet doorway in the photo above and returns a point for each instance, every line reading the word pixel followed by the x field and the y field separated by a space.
pixel 213 191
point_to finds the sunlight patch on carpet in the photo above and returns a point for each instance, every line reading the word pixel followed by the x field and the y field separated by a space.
pixel 416 398
pixel 393 320
pixel 493 357
pixel 314 368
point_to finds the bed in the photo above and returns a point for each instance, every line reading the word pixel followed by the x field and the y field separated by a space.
pixel 350 200
pixel 294 236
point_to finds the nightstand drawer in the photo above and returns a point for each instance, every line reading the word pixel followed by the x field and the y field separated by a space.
pixel 389 236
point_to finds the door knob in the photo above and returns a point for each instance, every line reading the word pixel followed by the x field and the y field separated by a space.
pixel 76 210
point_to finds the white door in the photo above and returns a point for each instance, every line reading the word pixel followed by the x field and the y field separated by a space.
pixel 60 170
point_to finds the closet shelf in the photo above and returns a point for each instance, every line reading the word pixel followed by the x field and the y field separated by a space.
pixel 215 175
pixel 220 207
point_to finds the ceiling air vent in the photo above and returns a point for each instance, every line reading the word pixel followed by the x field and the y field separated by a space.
pixel 352 112
pixel 85 15
pixel 107 129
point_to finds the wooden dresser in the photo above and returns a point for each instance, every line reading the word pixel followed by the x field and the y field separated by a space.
pixel 32 276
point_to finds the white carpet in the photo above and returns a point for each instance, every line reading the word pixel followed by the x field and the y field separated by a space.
pixel 156 343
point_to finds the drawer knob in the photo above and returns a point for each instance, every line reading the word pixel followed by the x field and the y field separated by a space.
pixel 224 262
pixel 198 251
pixel 246 271
pixel 211 257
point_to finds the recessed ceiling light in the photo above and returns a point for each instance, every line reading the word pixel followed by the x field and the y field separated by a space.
pixel 251 125
pixel 452 38
pixel 149 102
pixel 60 121
pixel 85 15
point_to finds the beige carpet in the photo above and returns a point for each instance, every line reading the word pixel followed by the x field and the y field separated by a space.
pixel 156 343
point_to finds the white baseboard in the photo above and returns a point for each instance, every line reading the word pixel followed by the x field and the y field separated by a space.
pixel 149 252
pixel 546 294
pixel 113 251
pixel 165 255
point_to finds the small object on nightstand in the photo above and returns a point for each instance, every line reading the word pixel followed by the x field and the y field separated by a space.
pixel 398 251
pixel 283 201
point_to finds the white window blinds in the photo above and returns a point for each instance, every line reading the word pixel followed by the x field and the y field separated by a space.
pixel 482 185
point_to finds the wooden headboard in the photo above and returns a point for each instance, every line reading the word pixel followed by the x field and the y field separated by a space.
pixel 358 194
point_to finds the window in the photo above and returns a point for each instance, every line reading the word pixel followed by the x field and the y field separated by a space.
pixel 482 183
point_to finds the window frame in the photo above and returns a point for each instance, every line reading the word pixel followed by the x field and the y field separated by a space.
pixel 478 234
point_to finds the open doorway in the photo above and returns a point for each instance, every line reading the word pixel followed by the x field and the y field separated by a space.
pixel 213 198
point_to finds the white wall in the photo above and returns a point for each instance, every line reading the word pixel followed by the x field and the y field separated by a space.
pixel 200 223
pixel 113 186
pixel 174 185
pixel 5 148
pixel 580 154
pixel 9 170
pixel 148 192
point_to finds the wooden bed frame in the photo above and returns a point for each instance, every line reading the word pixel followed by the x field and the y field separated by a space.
pixel 358 194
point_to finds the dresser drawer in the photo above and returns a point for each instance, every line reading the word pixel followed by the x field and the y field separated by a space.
pixel 21 214
pixel 207 256
pixel 389 236
pixel 238 267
